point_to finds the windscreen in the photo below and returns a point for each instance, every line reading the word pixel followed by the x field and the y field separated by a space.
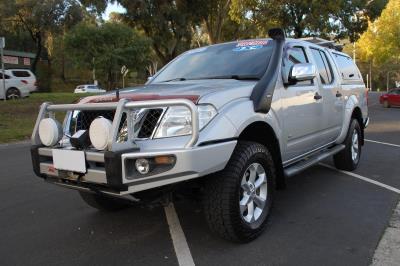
pixel 239 60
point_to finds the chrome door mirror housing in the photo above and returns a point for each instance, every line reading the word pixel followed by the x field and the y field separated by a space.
pixel 302 72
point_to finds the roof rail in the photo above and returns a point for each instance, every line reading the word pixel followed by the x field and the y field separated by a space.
pixel 324 43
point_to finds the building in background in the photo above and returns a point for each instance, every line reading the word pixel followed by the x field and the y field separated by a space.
pixel 16 59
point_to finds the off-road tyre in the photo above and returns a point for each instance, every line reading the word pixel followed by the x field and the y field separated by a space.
pixel 223 191
pixel 344 160
pixel 104 203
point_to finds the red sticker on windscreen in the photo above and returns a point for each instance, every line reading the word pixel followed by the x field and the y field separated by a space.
pixel 252 43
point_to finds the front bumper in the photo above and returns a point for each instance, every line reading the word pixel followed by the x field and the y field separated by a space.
pixel 111 172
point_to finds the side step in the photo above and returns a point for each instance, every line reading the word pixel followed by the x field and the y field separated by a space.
pixel 312 160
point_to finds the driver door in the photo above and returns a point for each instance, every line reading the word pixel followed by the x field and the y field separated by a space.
pixel 302 109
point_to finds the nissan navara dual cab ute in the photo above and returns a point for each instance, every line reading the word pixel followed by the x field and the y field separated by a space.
pixel 238 117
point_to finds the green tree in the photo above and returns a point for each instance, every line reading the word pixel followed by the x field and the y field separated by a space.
pixel 41 19
pixel 304 18
pixel 213 14
pixel 107 47
pixel 380 45
pixel 168 23
pixel 381 41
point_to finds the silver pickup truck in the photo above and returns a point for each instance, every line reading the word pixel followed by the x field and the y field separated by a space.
pixel 235 118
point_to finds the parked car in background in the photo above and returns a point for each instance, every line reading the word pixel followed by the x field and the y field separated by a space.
pixel 392 98
pixel 25 76
pixel 15 88
pixel 88 88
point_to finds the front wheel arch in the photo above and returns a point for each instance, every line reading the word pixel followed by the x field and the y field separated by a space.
pixel 264 134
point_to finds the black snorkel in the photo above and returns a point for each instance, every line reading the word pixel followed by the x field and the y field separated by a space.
pixel 264 89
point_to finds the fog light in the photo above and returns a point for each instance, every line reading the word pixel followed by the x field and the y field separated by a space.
pixel 50 131
pixel 142 166
pixel 100 132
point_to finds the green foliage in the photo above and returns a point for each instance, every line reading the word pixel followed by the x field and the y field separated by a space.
pixel 301 18
pixel 41 20
pixel 107 47
pixel 380 46
pixel 381 42
pixel 168 23
pixel 17 118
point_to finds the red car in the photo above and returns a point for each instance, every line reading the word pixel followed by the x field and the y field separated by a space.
pixel 392 98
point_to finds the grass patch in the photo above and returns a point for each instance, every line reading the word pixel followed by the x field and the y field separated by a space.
pixel 18 117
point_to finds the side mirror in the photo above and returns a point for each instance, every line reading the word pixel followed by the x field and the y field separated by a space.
pixel 302 72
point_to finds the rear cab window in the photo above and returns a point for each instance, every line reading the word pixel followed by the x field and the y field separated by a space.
pixel 347 68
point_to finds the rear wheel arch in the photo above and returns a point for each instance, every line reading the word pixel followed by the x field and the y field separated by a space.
pixel 264 134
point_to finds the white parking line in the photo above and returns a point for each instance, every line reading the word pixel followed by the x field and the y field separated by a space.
pixel 366 179
pixel 383 143
pixel 181 247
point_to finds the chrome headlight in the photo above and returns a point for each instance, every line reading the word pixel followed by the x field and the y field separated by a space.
pixel 178 122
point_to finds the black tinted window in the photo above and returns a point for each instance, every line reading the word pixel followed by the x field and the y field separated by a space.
pixel 324 68
pixel 294 55
pixel 21 73
pixel 243 59
pixel 6 76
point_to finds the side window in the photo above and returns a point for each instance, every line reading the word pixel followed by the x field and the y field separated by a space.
pixel 21 73
pixel 347 68
pixel 6 76
pixel 323 66
pixel 294 55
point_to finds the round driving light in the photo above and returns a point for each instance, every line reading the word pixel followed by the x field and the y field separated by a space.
pixel 50 131
pixel 100 132
pixel 142 166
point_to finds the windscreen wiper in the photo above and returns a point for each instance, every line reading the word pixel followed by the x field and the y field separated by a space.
pixel 174 79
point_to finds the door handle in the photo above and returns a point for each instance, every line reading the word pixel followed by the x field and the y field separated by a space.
pixel 317 96
pixel 338 94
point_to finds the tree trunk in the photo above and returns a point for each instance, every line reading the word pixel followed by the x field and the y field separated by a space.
pixel 38 37
pixel 298 31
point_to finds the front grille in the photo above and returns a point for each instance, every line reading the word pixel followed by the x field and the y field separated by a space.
pixel 149 123
pixel 85 118
pixel 144 126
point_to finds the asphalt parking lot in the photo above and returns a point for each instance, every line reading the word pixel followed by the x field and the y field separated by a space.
pixel 324 217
